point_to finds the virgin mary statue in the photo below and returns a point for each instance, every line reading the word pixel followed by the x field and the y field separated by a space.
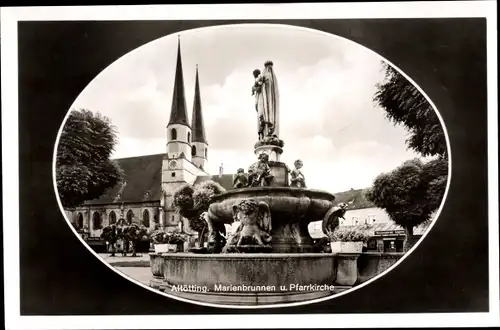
pixel 267 101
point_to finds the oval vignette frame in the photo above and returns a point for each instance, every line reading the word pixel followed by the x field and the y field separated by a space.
pixel 281 305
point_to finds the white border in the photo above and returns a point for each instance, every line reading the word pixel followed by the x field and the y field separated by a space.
pixel 9 19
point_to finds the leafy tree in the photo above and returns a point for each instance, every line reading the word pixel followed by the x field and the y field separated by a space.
pixel 83 168
pixel 405 105
pixel 410 193
pixel 111 235
pixel 191 202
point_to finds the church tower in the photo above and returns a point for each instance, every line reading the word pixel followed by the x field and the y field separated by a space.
pixel 199 146
pixel 178 167
pixel 178 128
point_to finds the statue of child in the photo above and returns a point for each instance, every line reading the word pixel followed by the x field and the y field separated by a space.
pixel 240 179
pixel 297 178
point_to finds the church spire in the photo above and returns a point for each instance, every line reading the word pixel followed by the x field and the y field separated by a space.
pixel 197 118
pixel 178 113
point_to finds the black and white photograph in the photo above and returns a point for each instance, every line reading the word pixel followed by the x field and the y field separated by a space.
pixel 174 163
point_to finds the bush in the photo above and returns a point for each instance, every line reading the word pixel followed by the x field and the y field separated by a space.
pixel 183 201
pixel 203 193
pixel 345 234
pixel 191 202
pixel 161 237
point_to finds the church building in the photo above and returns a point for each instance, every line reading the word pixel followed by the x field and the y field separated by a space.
pixel 146 194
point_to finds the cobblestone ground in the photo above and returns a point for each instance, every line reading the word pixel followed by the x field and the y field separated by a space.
pixel 134 267
pixel 141 274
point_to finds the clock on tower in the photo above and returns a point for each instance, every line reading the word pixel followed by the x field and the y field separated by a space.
pixel 172 165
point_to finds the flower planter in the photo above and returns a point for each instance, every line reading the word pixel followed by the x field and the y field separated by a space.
pixel 346 247
pixel 161 248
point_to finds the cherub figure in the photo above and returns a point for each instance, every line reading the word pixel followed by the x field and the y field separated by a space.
pixel 297 178
pixel 263 176
pixel 240 179
pixel 251 176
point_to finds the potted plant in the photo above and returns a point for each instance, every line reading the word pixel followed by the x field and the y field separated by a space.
pixel 347 240
pixel 158 238
pixel 110 234
pixel 175 240
pixel 166 242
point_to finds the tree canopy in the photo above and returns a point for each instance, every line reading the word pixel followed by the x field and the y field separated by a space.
pixel 404 104
pixel 191 202
pixel 83 167
pixel 411 192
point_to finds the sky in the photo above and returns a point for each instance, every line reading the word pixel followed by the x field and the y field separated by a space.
pixel 326 84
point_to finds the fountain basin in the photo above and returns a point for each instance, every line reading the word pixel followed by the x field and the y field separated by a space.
pixel 272 275
pixel 371 264
pixel 251 279
pixel 292 209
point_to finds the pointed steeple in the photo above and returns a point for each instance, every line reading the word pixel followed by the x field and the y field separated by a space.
pixel 178 113
pixel 197 118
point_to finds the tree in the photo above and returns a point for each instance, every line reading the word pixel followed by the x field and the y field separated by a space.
pixel 405 105
pixel 410 193
pixel 110 234
pixel 191 202
pixel 133 234
pixel 83 168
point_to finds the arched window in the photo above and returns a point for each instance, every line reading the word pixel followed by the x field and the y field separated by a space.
pixel 130 216
pixel 206 152
pixel 96 221
pixel 145 218
pixel 80 220
pixel 193 151
pixel 189 137
pixel 173 134
pixel 112 217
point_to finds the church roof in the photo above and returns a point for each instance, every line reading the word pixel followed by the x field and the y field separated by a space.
pixel 178 112
pixel 142 181
pixel 197 118
pixel 357 196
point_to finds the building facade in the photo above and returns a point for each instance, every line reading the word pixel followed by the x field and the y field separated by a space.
pixel 146 194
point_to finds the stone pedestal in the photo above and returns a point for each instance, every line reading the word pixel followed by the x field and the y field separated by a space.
pixel 274 152
pixel 347 268
pixel 279 170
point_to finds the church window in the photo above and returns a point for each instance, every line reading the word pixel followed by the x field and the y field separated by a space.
pixel 189 137
pixel 173 174
pixel 173 219
pixel 112 217
pixel 80 220
pixel 96 221
pixel 193 151
pixel 145 218
pixel 130 216
pixel 206 151
pixel 173 134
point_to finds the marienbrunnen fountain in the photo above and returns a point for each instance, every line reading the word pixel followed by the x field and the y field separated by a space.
pixel 270 258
